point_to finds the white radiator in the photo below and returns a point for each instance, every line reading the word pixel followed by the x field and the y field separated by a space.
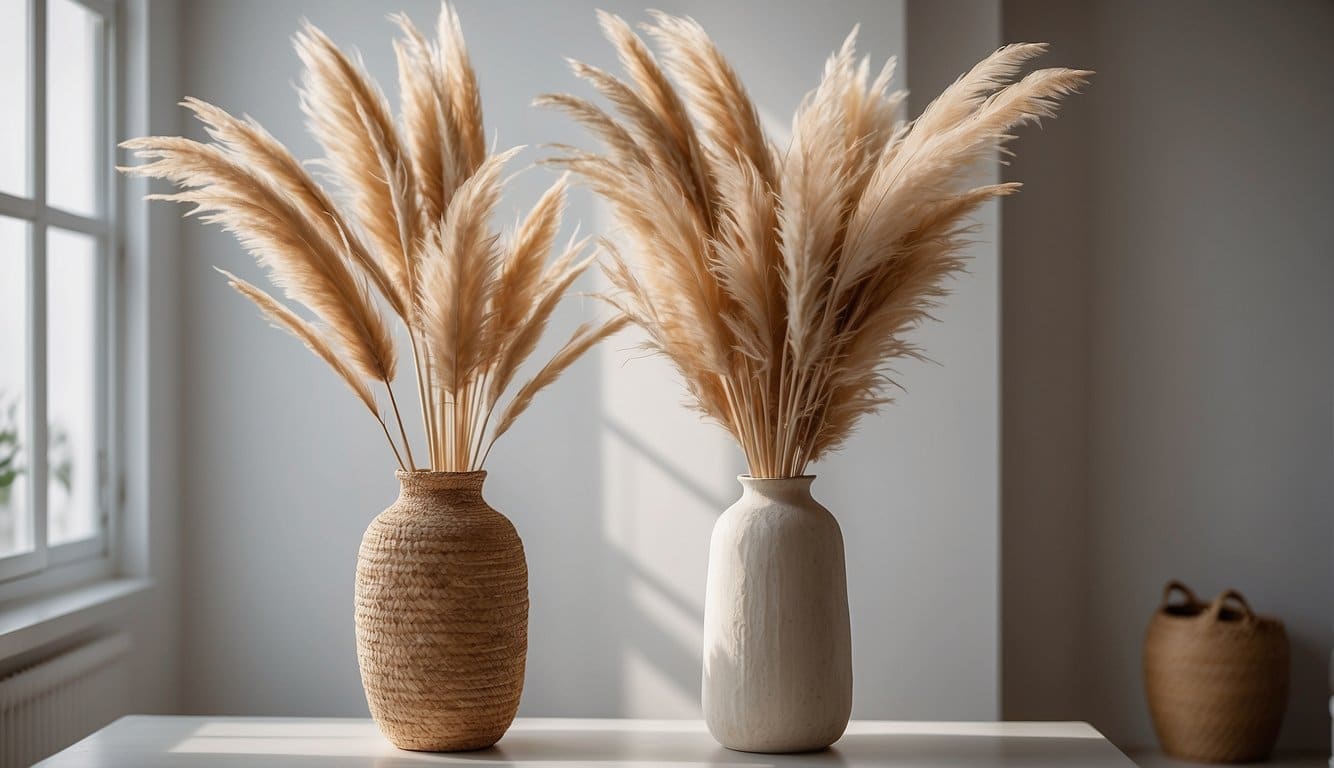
pixel 54 703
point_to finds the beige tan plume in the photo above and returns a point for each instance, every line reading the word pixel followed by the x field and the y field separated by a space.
pixel 284 236
pixel 409 225
pixel 783 283
pixel 350 117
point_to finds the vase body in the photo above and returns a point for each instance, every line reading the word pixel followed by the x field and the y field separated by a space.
pixel 442 615
pixel 777 640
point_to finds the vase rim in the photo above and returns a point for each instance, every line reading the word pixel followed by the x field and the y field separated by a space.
pixel 434 480
pixel 746 479
pixel 438 473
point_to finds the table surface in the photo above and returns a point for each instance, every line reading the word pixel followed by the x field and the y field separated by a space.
pixel 150 741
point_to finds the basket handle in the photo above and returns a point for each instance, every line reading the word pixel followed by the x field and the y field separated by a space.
pixel 1233 596
pixel 1176 586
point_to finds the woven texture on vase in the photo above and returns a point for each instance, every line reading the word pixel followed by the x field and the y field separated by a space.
pixel 1216 675
pixel 442 615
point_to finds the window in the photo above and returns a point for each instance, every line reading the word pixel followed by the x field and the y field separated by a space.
pixel 56 308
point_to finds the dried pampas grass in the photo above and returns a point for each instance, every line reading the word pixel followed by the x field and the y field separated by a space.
pixel 782 281
pixel 414 237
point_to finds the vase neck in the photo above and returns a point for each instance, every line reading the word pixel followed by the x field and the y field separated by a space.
pixel 427 483
pixel 786 489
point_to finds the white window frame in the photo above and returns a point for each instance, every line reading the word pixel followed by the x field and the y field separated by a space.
pixel 47 566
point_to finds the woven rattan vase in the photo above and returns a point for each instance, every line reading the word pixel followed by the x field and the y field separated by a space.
pixel 1216 676
pixel 442 615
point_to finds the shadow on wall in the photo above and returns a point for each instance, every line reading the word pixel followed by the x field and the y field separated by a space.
pixel 667 475
pixel 617 541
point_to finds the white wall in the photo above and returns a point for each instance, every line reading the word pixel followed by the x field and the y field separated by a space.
pixel 1195 319
pixel 613 486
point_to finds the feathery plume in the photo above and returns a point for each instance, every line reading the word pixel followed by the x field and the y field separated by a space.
pixel 784 283
pixel 415 231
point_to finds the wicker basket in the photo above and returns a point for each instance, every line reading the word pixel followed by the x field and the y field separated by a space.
pixel 1216 676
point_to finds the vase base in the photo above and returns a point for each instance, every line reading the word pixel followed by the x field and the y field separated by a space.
pixel 767 741
pixel 443 745
pixel 797 750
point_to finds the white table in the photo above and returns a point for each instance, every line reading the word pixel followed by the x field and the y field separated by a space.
pixel 149 741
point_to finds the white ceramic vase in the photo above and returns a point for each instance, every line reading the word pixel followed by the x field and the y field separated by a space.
pixel 777 641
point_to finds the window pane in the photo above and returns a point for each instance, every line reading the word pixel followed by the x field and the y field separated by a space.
pixel 14 118
pixel 71 385
pixel 72 124
pixel 15 521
